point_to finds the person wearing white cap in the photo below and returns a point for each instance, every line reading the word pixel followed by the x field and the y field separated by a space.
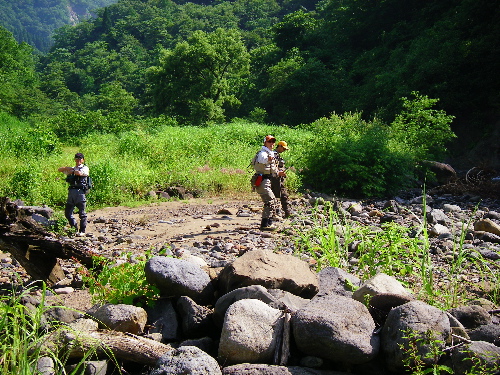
pixel 278 182
pixel 265 167
pixel 77 179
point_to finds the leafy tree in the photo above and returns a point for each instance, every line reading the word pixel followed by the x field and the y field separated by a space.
pixel 20 94
pixel 201 77
pixel 422 129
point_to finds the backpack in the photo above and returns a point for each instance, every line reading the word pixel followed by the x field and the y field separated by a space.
pixel 89 185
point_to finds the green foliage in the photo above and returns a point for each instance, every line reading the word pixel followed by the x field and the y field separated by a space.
pixel 375 251
pixel 214 67
pixel 74 125
pixel 20 94
pixel 23 140
pixel 422 353
pixel 423 129
pixel 354 157
pixel 121 282
pixel 34 22
pixel 25 332
pixel 350 156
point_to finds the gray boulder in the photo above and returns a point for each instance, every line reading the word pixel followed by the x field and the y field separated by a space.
pixel 272 271
pixel 337 281
pixel 261 369
pixel 162 318
pixel 488 332
pixel 121 317
pixel 248 292
pixel 196 320
pixel 336 328
pixel 186 360
pixel 477 354
pixel 412 323
pixel 176 277
pixel 381 283
pixel 249 333
pixel 472 316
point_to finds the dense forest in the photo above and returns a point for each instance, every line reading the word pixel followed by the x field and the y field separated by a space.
pixel 285 62
pixel 34 21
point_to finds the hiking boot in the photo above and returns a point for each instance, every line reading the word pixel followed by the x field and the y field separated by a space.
pixel 267 225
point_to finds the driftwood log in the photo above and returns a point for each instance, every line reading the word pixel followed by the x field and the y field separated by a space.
pixel 37 250
pixel 108 344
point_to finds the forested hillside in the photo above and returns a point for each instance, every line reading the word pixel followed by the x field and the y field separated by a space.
pixel 270 61
pixel 34 21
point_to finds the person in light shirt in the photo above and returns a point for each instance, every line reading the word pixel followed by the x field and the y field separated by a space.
pixel 265 167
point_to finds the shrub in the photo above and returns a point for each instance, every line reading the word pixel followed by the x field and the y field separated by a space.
pixel 354 157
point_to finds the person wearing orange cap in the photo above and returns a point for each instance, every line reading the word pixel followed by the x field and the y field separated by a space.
pixel 278 182
pixel 77 178
pixel 265 167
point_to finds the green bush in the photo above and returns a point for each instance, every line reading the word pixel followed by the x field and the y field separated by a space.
pixel 422 129
pixel 23 140
pixel 350 156
pixel 359 158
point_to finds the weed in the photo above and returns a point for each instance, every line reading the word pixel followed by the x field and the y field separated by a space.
pixel 422 353
pixel 120 282
pixel 25 336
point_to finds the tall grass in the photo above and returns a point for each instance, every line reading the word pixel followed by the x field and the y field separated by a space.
pixel 125 167
pixel 24 334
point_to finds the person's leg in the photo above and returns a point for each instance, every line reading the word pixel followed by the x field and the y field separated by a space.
pixel 69 208
pixel 276 188
pixel 284 201
pixel 267 197
pixel 81 204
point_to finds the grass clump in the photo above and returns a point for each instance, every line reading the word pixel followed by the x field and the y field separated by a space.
pixel 27 335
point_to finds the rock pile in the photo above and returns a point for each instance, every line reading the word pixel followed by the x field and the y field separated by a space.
pixel 247 306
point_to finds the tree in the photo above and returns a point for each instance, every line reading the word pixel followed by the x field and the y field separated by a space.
pixel 424 130
pixel 20 94
pixel 201 77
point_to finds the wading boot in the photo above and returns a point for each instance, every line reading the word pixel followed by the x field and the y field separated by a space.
pixel 267 225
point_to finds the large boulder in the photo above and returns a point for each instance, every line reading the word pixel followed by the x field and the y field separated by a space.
pixel 337 281
pixel 249 333
pixel 248 292
pixel 483 356
pixel 187 360
pixel 272 271
pixel 336 328
pixel 381 283
pixel 176 277
pixel 162 318
pixel 414 324
pixel 121 317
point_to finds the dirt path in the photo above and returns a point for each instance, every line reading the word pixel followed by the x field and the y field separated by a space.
pixel 163 222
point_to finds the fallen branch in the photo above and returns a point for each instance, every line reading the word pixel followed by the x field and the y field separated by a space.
pixel 111 344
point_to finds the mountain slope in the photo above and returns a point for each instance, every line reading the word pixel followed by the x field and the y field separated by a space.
pixel 33 21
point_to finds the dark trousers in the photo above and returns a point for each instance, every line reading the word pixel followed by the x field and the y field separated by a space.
pixel 76 198
pixel 279 190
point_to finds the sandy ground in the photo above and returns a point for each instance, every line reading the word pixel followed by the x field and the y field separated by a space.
pixel 188 220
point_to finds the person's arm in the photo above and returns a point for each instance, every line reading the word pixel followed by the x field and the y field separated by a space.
pixel 66 170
